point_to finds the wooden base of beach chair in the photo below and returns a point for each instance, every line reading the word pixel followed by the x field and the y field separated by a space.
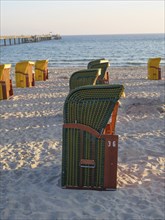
pixel 154 73
pixel 11 88
pixel 33 80
pixel 97 170
pixel 46 74
pixel 27 81
pixel 6 93
pixel 42 75
pixel 23 82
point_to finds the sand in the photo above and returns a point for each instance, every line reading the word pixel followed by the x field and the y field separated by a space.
pixel 31 150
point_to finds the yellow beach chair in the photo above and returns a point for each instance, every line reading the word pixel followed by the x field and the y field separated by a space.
pixel 154 71
pixel 41 70
pixel 6 89
pixel 24 74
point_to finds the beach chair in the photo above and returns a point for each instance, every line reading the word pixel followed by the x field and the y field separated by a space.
pixel 91 63
pixel 103 64
pixel 41 70
pixel 90 147
pixel 6 89
pixel 154 71
pixel 84 77
pixel 24 75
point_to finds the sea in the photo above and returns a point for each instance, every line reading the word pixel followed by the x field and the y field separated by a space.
pixel 73 51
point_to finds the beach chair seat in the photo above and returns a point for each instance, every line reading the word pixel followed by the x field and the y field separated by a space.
pixel 6 89
pixel 84 77
pixel 41 70
pixel 154 71
pixel 24 75
pixel 103 64
pixel 90 147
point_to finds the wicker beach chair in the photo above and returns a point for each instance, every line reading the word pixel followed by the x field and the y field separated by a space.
pixel 154 71
pixel 103 64
pixel 41 70
pixel 91 63
pixel 90 147
pixel 24 74
pixel 84 77
pixel 6 89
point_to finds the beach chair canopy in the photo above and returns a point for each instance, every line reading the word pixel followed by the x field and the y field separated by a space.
pixel 23 66
pixel 92 105
pixel 84 77
pixel 41 64
pixel 97 61
pixel 2 70
pixel 154 62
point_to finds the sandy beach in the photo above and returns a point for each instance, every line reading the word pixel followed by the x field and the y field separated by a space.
pixel 31 150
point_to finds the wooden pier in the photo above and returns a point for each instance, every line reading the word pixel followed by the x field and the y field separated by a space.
pixel 11 40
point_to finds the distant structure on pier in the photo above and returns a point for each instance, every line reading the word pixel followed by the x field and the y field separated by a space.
pixel 56 37
pixel 10 40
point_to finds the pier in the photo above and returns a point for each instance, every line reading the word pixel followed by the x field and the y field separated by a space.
pixel 11 40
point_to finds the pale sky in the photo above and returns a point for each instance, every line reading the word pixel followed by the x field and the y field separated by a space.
pixel 81 17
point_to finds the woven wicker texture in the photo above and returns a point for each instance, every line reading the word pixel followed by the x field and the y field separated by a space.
pixel 91 106
pixel 79 144
pixel 84 77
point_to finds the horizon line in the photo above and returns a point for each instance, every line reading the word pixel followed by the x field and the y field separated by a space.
pixel 85 34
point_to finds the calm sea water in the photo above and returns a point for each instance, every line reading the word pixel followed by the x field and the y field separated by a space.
pixel 121 50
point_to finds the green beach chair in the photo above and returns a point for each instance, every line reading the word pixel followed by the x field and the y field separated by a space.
pixel 90 148
pixel 84 77
pixel 103 64
pixel 93 62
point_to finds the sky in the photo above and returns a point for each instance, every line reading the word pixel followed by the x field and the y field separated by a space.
pixel 33 17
